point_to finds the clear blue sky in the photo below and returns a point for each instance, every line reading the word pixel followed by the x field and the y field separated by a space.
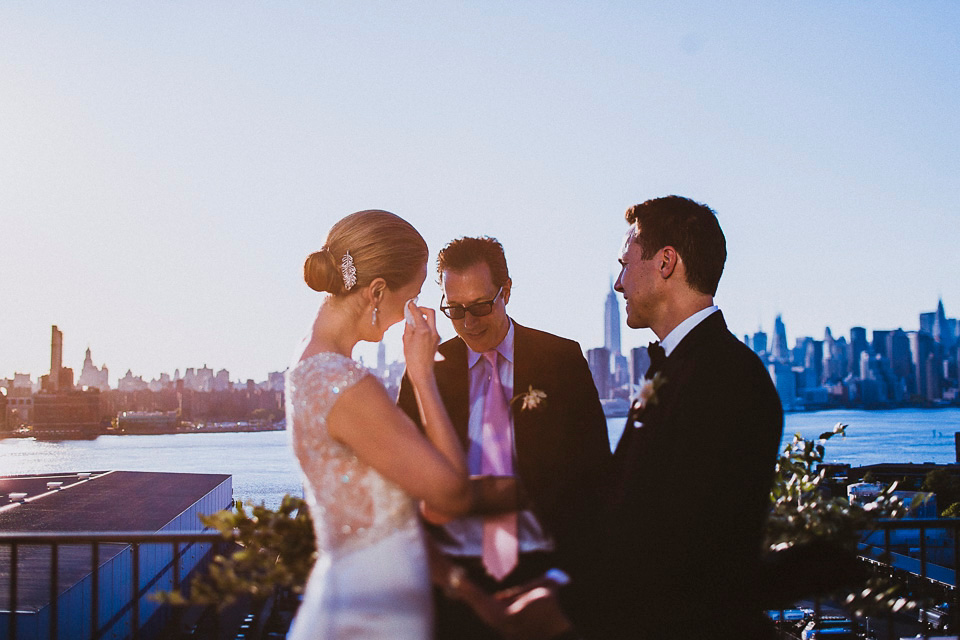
pixel 166 167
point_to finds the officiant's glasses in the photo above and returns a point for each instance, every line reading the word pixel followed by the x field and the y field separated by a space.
pixel 477 309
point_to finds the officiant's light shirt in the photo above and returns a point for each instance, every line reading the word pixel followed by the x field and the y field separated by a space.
pixel 466 534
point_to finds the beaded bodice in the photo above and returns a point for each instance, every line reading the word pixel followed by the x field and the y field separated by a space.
pixel 351 504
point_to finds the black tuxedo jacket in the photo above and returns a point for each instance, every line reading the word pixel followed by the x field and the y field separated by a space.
pixel 562 446
pixel 691 494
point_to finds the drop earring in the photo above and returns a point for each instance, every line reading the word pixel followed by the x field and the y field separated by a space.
pixel 374 320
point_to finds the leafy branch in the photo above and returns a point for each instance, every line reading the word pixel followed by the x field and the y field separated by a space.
pixel 276 549
pixel 804 516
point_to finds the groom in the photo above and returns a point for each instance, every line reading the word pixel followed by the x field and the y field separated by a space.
pixel 693 470
pixel 543 501
pixel 696 461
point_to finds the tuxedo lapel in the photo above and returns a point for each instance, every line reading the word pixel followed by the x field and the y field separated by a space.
pixel 454 385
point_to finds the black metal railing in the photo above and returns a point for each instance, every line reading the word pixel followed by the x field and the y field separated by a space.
pixel 196 545
pixel 918 554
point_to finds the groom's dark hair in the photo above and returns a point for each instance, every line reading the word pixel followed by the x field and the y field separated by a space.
pixel 689 227
pixel 463 253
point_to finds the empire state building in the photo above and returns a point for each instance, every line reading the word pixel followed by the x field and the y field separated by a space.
pixel 611 323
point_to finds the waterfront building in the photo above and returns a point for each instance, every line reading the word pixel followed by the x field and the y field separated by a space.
pixel 22 382
pixel 598 360
pixel 67 414
pixel 785 381
pixel 146 422
pixel 93 377
pixel 871 392
pixel 3 410
pixel 112 501
pixel 19 409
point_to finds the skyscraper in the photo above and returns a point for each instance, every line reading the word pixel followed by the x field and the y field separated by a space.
pixel 779 352
pixel 921 347
pixel 858 345
pixel 759 343
pixel 898 351
pixel 639 363
pixel 599 362
pixel 942 331
pixel 56 358
pixel 611 323
pixel 381 360
pixel 92 376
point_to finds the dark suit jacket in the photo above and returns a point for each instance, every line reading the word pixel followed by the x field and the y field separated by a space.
pixel 561 446
pixel 690 496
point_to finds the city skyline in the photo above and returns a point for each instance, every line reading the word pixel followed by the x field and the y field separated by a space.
pixel 779 345
pixel 168 168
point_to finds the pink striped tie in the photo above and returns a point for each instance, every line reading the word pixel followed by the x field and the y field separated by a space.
pixel 499 531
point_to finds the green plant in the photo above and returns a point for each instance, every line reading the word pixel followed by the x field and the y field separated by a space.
pixel 802 512
pixel 276 549
pixel 804 516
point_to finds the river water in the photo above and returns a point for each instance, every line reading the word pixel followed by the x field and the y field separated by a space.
pixel 264 469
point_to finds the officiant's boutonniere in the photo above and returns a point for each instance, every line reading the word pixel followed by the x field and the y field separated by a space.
pixel 647 395
pixel 530 399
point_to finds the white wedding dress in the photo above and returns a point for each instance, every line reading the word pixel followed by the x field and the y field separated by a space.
pixel 371 578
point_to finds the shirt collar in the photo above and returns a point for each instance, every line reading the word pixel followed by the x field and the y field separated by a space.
pixel 681 330
pixel 505 348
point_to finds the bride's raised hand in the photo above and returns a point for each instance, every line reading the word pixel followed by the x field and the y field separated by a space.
pixel 420 340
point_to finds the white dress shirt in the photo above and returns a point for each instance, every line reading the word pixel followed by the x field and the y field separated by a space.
pixel 680 332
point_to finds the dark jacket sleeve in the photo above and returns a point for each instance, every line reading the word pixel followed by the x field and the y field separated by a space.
pixel 407 401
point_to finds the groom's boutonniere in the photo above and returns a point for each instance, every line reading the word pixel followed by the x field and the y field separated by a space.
pixel 530 399
pixel 647 395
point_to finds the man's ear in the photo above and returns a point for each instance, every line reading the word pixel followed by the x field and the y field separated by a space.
pixel 669 260
pixel 506 290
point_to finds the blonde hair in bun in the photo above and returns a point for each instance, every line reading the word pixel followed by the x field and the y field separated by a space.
pixel 322 273
pixel 382 245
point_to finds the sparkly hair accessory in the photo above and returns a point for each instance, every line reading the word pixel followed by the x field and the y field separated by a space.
pixel 349 272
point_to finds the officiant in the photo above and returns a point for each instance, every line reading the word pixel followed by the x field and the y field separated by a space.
pixel 529 418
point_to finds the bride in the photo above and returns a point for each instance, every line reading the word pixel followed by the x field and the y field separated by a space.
pixel 364 463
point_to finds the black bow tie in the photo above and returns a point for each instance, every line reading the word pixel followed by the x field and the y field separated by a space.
pixel 657 358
